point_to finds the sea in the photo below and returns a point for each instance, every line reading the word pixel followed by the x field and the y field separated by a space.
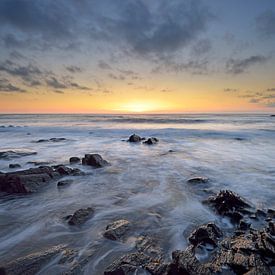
pixel 145 184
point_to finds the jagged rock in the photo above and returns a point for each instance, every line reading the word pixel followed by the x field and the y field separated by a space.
pixel 151 141
pixel 16 153
pixel 81 216
pixel 64 183
pixel 14 165
pixel 198 180
pixel 94 160
pixel 74 160
pixel 205 234
pixel 135 138
pixel 149 246
pixel 33 263
pixel 116 229
pixel 229 204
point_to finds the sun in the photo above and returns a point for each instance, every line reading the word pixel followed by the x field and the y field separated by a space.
pixel 138 107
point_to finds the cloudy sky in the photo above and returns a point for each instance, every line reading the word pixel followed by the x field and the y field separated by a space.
pixel 137 56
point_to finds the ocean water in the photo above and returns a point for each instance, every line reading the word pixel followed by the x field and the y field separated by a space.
pixel 146 185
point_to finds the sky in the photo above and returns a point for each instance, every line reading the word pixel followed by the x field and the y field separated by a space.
pixel 137 56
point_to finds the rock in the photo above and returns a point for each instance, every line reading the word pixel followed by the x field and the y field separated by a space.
pixel 134 262
pixel 94 160
pixel 51 140
pixel 64 183
pixel 149 246
pixel 81 216
pixel 31 180
pixel 229 204
pixel 33 263
pixel 74 160
pixel 116 229
pixel 198 180
pixel 151 141
pixel 39 163
pixel 272 115
pixel 135 138
pixel 205 234
pixel 14 165
pixel 16 153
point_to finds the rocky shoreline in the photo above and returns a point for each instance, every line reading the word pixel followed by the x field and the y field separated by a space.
pixel 246 248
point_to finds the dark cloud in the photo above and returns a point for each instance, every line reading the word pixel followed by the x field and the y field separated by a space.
pixel 202 47
pixel 104 65
pixel 77 86
pixel 74 69
pixel 116 77
pixel 54 83
pixel 6 86
pixel 58 92
pixel 266 23
pixel 238 66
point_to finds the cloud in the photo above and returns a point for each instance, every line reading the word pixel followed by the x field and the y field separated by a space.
pixel 74 69
pixel 239 66
pixel 54 83
pixel 202 47
pixel 265 23
pixel 116 77
pixel 77 86
pixel 6 86
pixel 230 90
pixel 270 90
pixel 104 65
pixel 58 92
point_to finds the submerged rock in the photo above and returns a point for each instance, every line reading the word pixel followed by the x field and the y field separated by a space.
pixel 94 160
pixel 14 165
pixel 81 216
pixel 33 263
pixel 116 229
pixel 39 163
pixel 51 140
pixel 198 180
pixel 205 234
pixel 74 159
pixel 151 141
pixel 16 153
pixel 135 138
pixel 64 183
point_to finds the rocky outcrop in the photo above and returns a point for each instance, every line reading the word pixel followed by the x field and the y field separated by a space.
pixel 80 216
pixel 16 153
pixel 94 160
pixel 151 141
pixel 135 138
pixel 116 230
pixel 31 180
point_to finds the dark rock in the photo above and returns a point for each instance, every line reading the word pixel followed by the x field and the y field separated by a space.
pixel 81 216
pixel 205 234
pixel 39 163
pixel 51 140
pixel 239 139
pixel 33 263
pixel 149 246
pixel 272 115
pixel 94 160
pixel 198 180
pixel 151 141
pixel 244 225
pixel 74 160
pixel 16 153
pixel 64 183
pixel 116 229
pixel 229 204
pixel 14 165
pixel 271 213
pixel 30 180
pixel 135 138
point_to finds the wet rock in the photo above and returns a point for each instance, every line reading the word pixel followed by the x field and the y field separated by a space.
pixel 16 153
pixel 51 140
pixel 81 216
pixel 39 163
pixel 33 263
pixel 198 180
pixel 185 262
pixel 64 183
pixel 205 234
pixel 14 165
pixel 74 160
pixel 135 138
pixel 149 246
pixel 94 160
pixel 229 204
pixel 117 229
pixel 31 180
pixel 151 141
